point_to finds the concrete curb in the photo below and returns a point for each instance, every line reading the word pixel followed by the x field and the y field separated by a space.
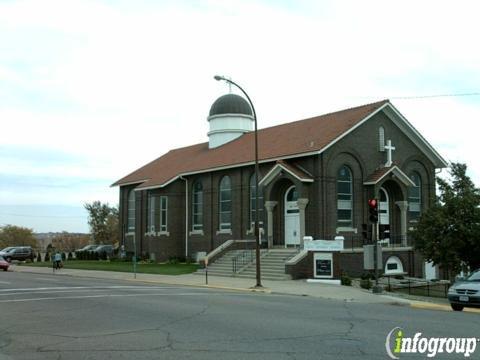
pixel 439 307
pixel 220 287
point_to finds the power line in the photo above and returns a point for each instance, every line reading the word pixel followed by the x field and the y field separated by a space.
pixel 433 96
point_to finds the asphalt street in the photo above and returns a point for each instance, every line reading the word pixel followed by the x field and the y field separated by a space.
pixel 58 317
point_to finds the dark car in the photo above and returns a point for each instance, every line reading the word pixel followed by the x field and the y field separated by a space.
pixel 4 264
pixel 86 248
pixel 466 292
pixel 21 253
pixel 101 249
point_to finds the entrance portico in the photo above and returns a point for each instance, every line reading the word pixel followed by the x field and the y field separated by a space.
pixel 390 185
pixel 286 198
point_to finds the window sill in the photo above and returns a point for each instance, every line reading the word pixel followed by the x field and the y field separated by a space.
pixel 346 229
pixel 196 232
pixel 129 233
pixel 151 233
pixel 163 233
pixel 224 231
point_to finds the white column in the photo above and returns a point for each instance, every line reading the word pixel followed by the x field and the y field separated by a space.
pixel 302 204
pixel 269 206
pixel 403 206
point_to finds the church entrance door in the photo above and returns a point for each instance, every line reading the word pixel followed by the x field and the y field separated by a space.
pixel 292 217
pixel 384 214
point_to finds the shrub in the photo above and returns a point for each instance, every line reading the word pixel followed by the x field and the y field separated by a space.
pixel 70 256
pixel 39 257
pixel 47 256
pixel 345 280
pixel 365 284
pixel 64 257
pixel 173 260
pixel 367 276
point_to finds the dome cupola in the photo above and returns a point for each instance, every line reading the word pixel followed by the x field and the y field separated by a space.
pixel 230 117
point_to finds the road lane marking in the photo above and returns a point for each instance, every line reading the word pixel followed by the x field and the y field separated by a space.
pixel 105 296
pixel 89 287
pixel 47 279
pixel 137 288
pixel 5 282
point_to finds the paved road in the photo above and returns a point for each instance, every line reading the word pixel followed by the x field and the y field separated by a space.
pixel 54 317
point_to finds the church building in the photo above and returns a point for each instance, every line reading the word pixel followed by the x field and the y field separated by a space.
pixel 316 176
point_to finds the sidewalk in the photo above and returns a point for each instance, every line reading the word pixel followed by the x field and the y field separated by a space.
pixel 288 287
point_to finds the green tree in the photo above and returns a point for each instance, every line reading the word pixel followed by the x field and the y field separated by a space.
pixel 448 233
pixel 113 225
pixel 103 222
pixel 11 235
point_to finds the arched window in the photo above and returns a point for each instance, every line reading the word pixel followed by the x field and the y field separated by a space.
pixel 197 206
pixel 344 198
pixel 131 211
pixel 381 139
pixel 415 197
pixel 152 204
pixel 252 202
pixel 225 204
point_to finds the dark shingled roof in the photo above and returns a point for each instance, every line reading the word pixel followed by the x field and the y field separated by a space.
pixel 230 104
pixel 282 141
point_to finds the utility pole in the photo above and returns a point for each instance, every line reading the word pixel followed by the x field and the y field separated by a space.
pixel 373 210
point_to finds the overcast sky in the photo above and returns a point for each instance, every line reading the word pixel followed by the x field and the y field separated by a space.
pixel 92 90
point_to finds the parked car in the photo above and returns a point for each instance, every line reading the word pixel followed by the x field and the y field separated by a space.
pixel 108 249
pixel 465 292
pixel 86 248
pixel 4 264
pixel 21 253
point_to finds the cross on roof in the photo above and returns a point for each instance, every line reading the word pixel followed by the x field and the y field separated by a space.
pixel 389 147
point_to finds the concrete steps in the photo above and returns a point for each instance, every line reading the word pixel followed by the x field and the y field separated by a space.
pixel 222 266
pixel 272 263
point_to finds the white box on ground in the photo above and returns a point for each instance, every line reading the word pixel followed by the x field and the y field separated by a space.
pixel 368 257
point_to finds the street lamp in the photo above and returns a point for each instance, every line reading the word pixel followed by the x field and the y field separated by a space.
pixel 257 173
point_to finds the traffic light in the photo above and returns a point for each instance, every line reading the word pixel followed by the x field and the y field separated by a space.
pixel 373 210
pixel 366 232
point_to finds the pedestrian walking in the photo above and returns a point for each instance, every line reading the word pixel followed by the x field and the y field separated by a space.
pixel 57 259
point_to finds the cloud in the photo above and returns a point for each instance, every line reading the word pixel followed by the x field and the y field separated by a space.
pixel 116 84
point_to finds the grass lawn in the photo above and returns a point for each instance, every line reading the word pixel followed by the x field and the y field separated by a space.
pixel 163 269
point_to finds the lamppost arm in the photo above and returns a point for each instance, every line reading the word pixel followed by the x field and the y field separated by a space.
pixel 219 78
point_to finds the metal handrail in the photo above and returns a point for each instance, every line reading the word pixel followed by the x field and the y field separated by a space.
pixel 242 259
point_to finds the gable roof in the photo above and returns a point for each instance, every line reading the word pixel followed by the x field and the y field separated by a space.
pixel 299 138
pixel 293 170
pixel 381 173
